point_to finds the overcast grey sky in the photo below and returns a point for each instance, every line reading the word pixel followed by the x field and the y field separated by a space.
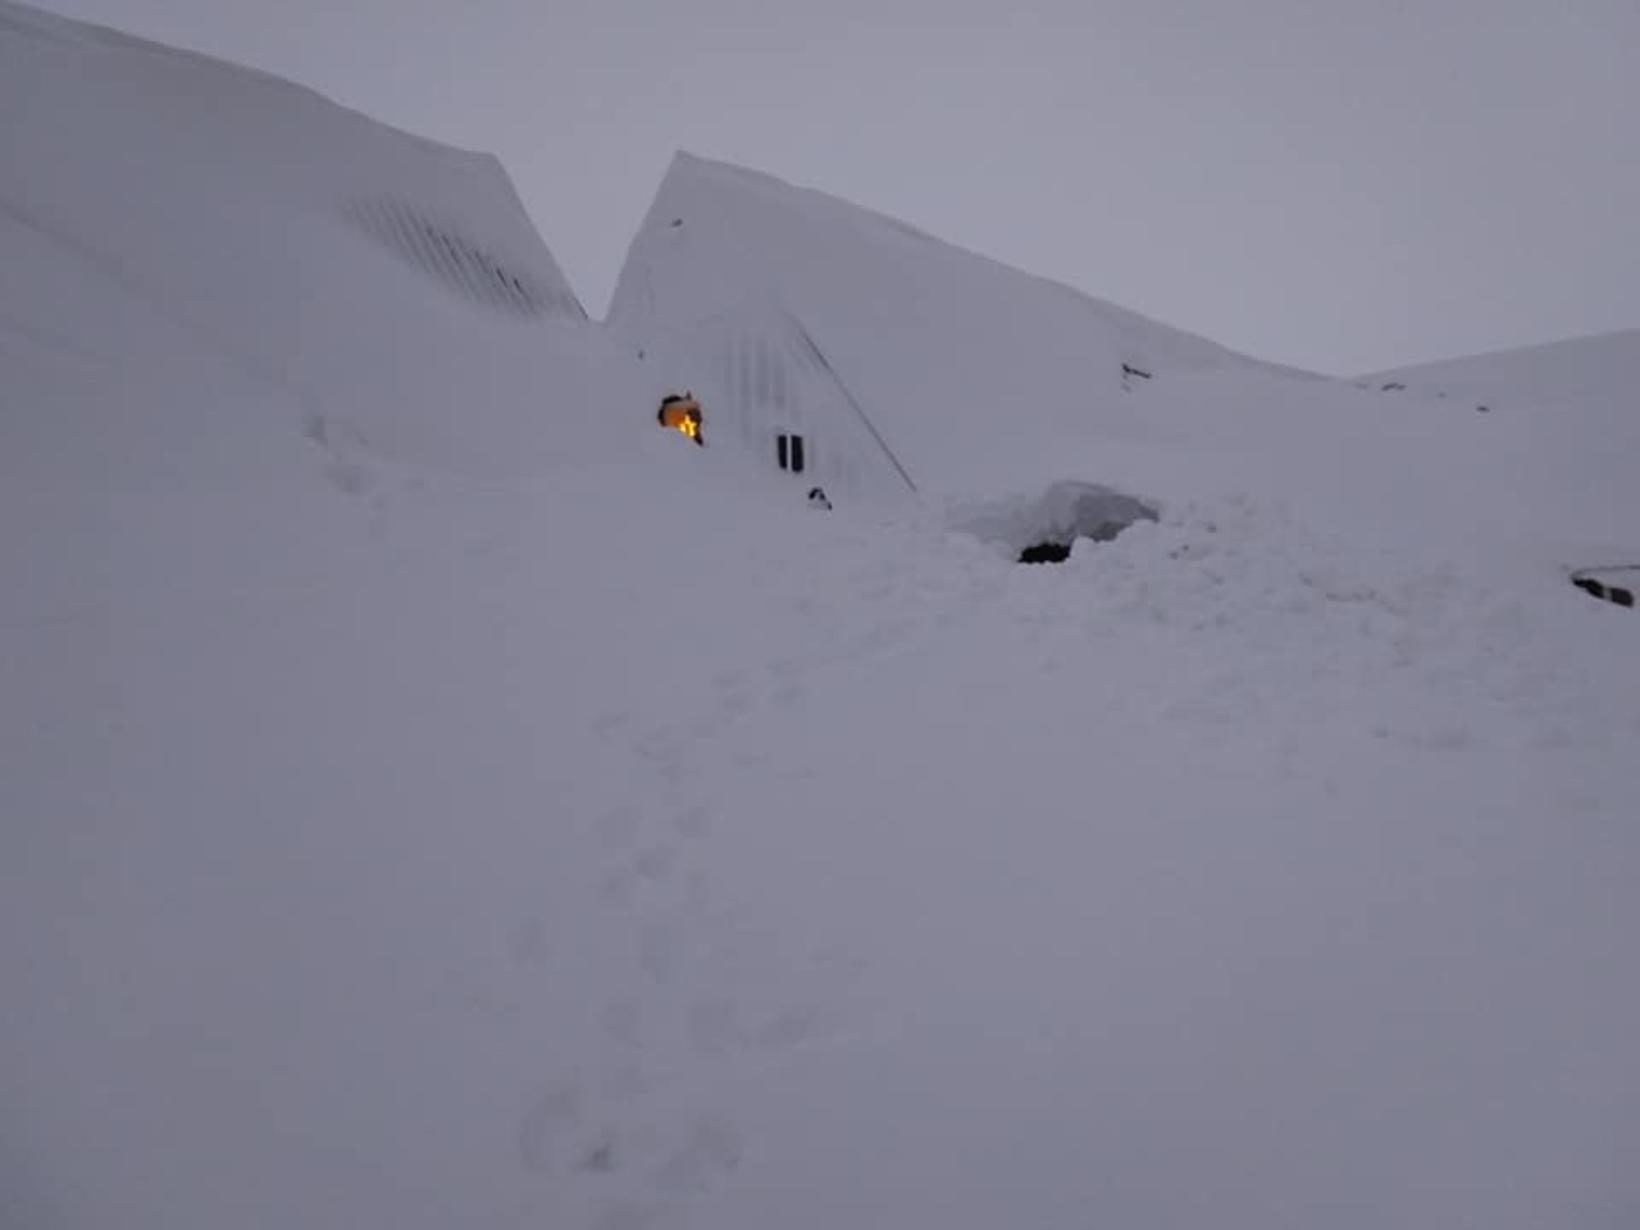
pixel 1340 184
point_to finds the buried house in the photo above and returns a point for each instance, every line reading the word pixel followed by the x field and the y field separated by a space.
pixel 848 351
pixel 835 347
pixel 390 292
pixel 771 394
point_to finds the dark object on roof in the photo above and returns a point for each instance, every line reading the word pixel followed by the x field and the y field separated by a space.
pixel 1611 593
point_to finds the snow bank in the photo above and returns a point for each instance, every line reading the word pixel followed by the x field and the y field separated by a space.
pixel 1565 412
pixel 433 796
pixel 1583 369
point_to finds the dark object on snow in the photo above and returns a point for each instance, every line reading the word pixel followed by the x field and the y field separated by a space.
pixel 1046 553
pixel 817 498
pixel 1611 593
pixel 788 452
pixel 1484 409
pixel 1394 386
pixel 1129 370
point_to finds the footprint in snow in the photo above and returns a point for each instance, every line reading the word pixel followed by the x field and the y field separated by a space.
pixel 618 828
pixel 530 943
pixel 656 864
pixel 625 1215
pixel 657 952
pixel 547 1130
pixel 710 1149
pixel 694 822
pixel 790 695
pixel 622 1019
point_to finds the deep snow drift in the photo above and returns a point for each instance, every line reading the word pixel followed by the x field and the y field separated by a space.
pixel 1571 409
pixel 1601 370
pixel 435 797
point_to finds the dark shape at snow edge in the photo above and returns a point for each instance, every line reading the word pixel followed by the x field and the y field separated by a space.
pixel 1599 587
pixel 1043 529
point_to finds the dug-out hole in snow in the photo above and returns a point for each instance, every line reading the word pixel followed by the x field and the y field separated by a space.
pixel 1042 529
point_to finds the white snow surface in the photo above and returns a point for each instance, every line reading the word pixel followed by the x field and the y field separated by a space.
pixel 432 796
pixel 1604 369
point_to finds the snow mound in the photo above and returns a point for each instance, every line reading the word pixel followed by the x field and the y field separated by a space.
pixel 1604 368
pixel 1044 528
pixel 1565 414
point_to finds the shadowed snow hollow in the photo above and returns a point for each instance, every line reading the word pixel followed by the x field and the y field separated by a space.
pixel 1044 530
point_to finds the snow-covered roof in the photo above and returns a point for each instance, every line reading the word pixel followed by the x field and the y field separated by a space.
pixel 1603 368
pixel 228 204
pixel 976 374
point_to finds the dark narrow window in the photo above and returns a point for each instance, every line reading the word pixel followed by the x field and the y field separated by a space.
pixel 788 452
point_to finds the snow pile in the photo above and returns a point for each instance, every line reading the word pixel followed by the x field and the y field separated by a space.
pixel 1565 414
pixel 436 797
pixel 1049 525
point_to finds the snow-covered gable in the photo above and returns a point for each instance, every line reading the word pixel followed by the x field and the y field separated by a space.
pixel 973 375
